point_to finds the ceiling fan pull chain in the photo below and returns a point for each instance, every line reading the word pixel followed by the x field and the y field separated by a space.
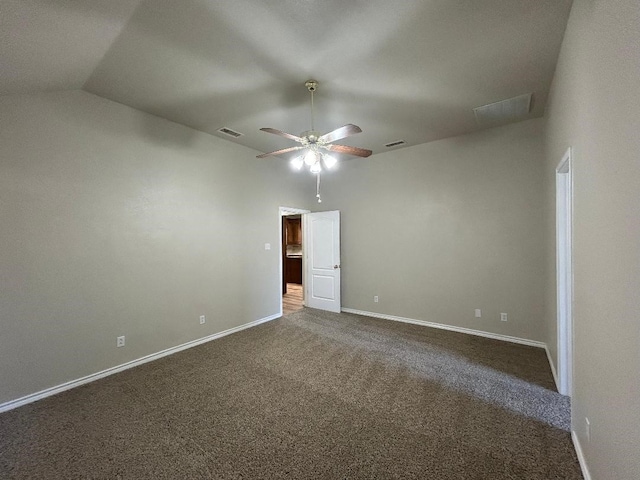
pixel 318 188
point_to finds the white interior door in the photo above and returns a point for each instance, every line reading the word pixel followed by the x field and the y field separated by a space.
pixel 322 247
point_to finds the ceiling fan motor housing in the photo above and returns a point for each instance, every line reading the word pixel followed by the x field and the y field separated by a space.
pixel 311 136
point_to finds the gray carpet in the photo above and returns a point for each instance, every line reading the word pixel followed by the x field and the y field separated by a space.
pixel 311 395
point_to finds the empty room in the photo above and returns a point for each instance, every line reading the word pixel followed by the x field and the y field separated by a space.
pixel 320 239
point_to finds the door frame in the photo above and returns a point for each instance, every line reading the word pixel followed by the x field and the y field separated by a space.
pixel 283 212
pixel 564 272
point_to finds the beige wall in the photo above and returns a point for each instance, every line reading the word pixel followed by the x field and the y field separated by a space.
pixel 595 108
pixel 115 222
pixel 439 229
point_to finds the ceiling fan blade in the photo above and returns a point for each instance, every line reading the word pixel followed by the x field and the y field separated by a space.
pixel 279 152
pixel 342 132
pixel 358 152
pixel 282 134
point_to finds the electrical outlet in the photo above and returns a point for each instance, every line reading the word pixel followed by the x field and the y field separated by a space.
pixel 120 341
pixel 587 429
pixel 478 313
pixel 203 319
pixel 503 317
pixel 375 298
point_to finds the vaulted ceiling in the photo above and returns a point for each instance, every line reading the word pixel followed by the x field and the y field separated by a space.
pixel 410 69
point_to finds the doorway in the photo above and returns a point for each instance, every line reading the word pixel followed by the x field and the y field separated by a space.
pixel 564 272
pixel 291 259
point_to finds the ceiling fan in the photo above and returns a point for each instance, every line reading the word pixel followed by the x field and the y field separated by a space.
pixel 317 146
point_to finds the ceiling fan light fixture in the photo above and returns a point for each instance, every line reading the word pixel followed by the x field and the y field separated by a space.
pixel 297 163
pixel 329 160
pixel 310 158
pixel 316 168
pixel 313 144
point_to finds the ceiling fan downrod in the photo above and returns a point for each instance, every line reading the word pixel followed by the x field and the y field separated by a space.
pixel 311 85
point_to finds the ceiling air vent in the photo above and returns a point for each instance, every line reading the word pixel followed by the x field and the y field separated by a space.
pixel 394 144
pixel 229 132
pixel 504 111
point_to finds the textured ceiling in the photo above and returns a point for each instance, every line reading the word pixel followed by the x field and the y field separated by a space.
pixel 410 69
pixel 56 44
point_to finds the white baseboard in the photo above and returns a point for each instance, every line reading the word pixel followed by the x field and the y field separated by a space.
pixel 10 405
pixel 581 459
pixel 553 368
pixel 469 331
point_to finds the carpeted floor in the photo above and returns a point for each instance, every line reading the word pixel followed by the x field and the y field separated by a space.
pixel 311 395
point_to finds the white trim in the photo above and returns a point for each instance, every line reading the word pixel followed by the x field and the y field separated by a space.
pixel 292 211
pixel 564 272
pixel 580 454
pixel 10 405
pixel 553 367
pixel 469 331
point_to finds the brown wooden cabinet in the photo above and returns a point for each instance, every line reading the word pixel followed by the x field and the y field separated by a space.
pixel 294 231
pixel 294 270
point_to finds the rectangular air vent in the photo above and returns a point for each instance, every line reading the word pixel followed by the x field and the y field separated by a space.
pixel 503 111
pixel 229 132
pixel 394 144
